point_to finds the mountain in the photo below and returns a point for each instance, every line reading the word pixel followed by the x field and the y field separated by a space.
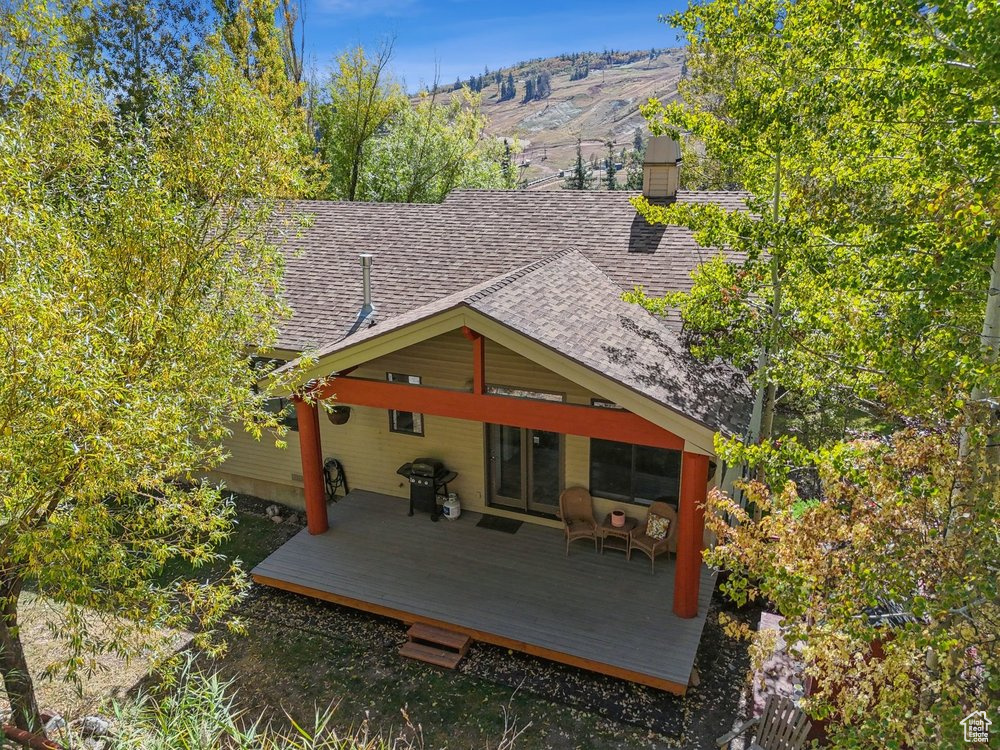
pixel 602 105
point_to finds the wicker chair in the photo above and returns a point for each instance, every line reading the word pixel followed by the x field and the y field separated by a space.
pixel 639 540
pixel 576 509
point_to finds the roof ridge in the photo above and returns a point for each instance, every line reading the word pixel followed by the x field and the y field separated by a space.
pixel 490 286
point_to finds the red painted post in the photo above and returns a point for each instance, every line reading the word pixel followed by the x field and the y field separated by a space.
pixel 690 531
pixel 312 466
pixel 479 365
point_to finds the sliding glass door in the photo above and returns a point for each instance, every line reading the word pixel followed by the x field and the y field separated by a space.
pixel 525 468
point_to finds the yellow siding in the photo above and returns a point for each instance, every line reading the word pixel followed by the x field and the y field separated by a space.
pixel 261 459
pixel 371 453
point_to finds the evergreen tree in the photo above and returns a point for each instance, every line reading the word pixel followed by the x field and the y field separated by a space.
pixel 507 88
pixel 529 90
pixel 637 142
pixel 609 175
pixel 543 85
pixel 507 168
pixel 458 84
pixel 581 178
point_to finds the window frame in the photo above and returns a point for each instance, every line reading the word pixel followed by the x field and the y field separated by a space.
pixel 631 498
pixel 289 418
pixel 417 417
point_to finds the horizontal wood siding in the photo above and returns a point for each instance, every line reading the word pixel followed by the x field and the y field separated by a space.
pixel 262 459
pixel 446 362
pixel 371 453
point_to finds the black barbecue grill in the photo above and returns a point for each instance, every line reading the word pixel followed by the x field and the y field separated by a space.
pixel 428 481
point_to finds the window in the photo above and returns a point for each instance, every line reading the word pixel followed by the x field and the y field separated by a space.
pixel 282 406
pixel 286 409
pixel 407 422
pixel 634 473
pixel 512 392
pixel 604 404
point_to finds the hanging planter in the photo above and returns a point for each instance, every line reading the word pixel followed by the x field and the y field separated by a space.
pixel 339 414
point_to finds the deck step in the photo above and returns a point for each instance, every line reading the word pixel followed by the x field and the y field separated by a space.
pixel 430 654
pixel 446 639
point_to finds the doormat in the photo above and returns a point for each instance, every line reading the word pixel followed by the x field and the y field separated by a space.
pixel 497 523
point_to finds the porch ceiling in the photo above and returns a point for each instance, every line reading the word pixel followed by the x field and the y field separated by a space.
pixel 520 591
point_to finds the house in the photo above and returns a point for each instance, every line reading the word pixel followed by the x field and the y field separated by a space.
pixel 489 333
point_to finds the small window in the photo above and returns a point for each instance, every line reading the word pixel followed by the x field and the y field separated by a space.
pixel 512 392
pixel 634 473
pixel 604 404
pixel 283 406
pixel 406 422
pixel 286 409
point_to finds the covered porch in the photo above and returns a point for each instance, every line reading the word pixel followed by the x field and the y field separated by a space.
pixel 517 591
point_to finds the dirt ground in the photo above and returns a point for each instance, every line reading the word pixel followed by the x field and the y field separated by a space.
pixel 110 678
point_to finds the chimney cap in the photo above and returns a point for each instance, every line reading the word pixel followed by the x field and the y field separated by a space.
pixel 662 149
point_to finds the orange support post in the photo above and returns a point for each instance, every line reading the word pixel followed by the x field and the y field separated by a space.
pixel 312 466
pixel 690 531
pixel 479 365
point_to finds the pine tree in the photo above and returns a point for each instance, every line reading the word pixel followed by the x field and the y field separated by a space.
pixel 507 165
pixel 609 175
pixel 580 178
pixel 637 142
pixel 529 90
pixel 508 89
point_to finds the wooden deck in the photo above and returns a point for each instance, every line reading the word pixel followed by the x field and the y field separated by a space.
pixel 519 591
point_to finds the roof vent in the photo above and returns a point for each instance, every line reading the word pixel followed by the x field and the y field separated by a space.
pixel 661 167
pixel 366 280
pixel 366 315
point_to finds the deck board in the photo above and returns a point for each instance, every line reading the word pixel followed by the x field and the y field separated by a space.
pixel 518 590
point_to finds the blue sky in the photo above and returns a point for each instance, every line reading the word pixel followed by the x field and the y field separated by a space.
pixel 462 36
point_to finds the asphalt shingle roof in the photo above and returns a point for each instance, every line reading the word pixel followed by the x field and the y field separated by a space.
pixel 425 252
pixel 550 265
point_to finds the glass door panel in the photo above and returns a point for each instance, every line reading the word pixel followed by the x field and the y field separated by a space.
pixel 507 465
pixel 545 468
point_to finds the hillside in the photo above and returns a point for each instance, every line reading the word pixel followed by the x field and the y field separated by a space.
pixel 603 105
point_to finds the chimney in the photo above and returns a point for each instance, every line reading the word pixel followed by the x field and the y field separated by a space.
pixel 366 279
pixel 661 168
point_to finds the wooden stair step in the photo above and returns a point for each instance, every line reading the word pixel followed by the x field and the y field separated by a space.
pixel 449 639
pixel 430 654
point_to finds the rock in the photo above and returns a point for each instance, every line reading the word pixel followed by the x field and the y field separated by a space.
pixel 53 723
pixel 92 726
pixel 292 519
pixel 272 510
pixel 277 519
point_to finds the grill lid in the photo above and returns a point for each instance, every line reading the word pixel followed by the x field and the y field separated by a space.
pixel 426 467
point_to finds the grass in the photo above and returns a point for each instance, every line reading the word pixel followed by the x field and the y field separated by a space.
pixel 302 673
